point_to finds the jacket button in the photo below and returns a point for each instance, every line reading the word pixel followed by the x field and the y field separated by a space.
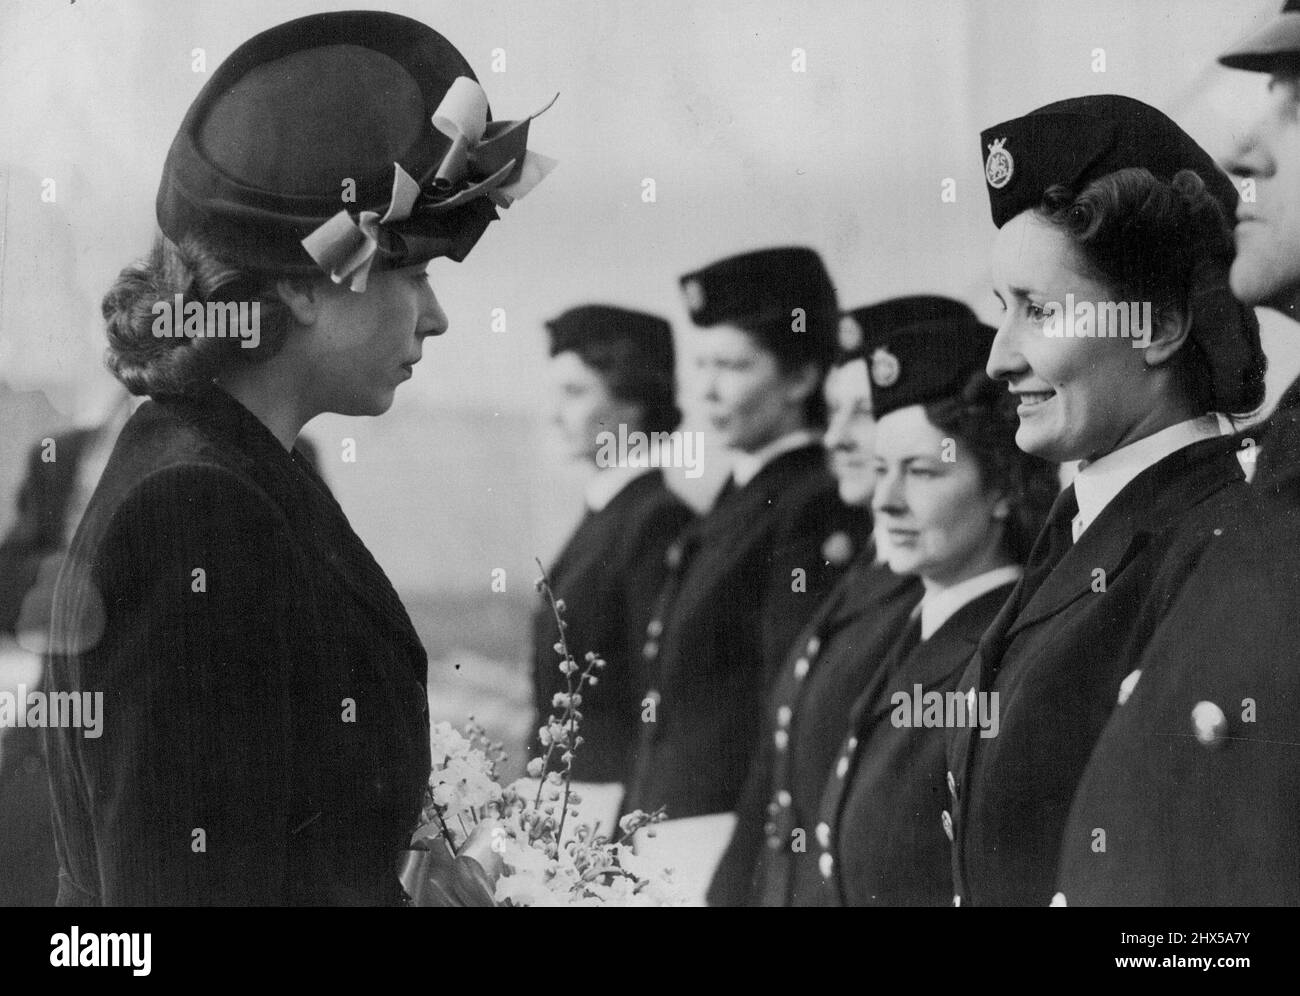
pixel 655 628
pixel 783 717
pixel 1210 723
pixel 814 645
pixel 773 808
pixel 781 739
pixel 770 830
pixel 1128 684
pixel 801 668
pixel 650 651
pixel 824 835
pixel 826 865
pixel 952 786
pixel 970 702
pixel 842 767
pixel 1058 900
pixel 783 799
pixel 673 556
pixel 956 900
pixel 853 743
pixel 946 820
pixel 774 842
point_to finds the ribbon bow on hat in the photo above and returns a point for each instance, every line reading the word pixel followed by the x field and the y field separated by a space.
pixel 485 160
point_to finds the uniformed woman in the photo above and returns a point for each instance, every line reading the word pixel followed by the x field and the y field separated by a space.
pixel 1120 340
pixel 957 505
pixel 830 662
pixel 1193 783
pixel 747 576
pixel 265 725
pixel 613 375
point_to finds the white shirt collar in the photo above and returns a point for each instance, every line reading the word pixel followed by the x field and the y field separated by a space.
pixel 607 482
pixel 937 608
pixel 1097 483
pixel 745 466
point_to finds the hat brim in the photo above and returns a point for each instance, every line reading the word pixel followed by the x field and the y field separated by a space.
pixel 1277 44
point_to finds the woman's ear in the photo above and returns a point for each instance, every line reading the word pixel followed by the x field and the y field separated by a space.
pixel 303 296
pixel 1168 333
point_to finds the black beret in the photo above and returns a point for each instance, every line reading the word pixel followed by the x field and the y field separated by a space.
pixel 759 292
pixel 862 328
pixel 1073 142
pixel 300 113
pixel 1276 45
pixel 927 361
pixel 588 324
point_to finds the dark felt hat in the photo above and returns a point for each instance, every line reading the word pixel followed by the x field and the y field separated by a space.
pixel 322 130
pixel 1276 46
pixel 782 296
pixel 648 335
pixel 928 359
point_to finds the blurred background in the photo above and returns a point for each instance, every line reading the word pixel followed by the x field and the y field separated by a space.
pixel 848 152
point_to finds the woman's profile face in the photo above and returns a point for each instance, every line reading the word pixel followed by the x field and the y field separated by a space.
pixel 363 345
pixel 1080 398
pixel 584 407
pixel 851 431
pixel 747 399
pixel 934 517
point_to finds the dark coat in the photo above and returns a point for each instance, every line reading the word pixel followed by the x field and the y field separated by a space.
pixel 732 606
pixel 1057 666
pixel 1208 820
pixel 805 722
pixel 882 837
pixel 29 869
pixel 608 574
pixel 266 732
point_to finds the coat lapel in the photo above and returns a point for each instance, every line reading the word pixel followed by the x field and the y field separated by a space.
pixel 309 508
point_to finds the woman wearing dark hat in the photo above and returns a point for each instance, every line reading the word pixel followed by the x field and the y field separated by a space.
pixel 747 577
pixel 1195 779
pixel 266 734
pixel 613 373
pixel 1106 211
pixel 829 664
pixel 958 506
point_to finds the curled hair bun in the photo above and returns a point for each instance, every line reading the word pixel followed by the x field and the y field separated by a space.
pixel 149 364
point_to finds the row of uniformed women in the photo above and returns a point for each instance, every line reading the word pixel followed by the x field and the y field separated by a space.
pixel 1099 199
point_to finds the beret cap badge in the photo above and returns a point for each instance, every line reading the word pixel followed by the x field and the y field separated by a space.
pixel 850 334
pixel 694 294
pixel 999 166
pixel 885 368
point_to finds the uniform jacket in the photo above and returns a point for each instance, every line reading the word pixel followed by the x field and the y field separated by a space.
pixel 265 733
pixel 805 721
pixel 883 836
pixel 1057 665
pixel 1195 780
pixel 743 581
pixel 608 574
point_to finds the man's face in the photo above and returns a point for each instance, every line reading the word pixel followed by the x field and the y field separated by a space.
pixel 1267 164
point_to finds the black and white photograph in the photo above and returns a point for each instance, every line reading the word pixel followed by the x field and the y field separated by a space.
pixel 584 453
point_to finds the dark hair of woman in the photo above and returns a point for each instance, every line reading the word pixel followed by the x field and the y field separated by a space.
pixel 630 379
pixel 150 364
pixel 982 420
pixel 1169 244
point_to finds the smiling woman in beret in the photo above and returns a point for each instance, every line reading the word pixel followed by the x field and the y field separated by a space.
pixel 1106 210
pixel 266 736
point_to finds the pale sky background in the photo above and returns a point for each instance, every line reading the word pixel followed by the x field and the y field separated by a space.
pixel 848 157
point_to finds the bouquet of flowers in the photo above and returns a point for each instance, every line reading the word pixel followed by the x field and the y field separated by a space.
pixel 542 854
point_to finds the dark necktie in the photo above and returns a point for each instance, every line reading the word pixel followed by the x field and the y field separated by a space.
pixel 728 489
pixel 1279 465
pixel 1055 540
